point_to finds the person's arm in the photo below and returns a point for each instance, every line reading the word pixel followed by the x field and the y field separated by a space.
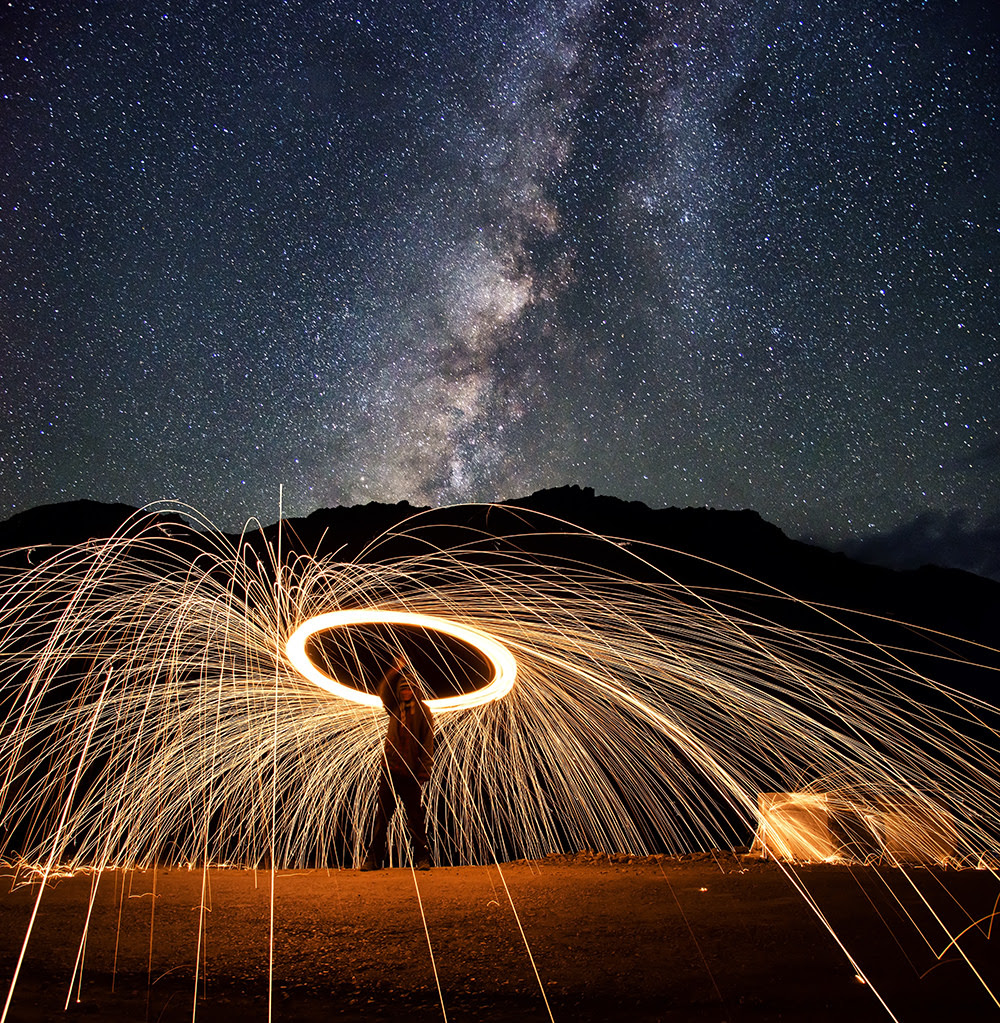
pixel 386 689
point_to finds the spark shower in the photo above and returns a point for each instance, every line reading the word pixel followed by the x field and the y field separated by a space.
pixel 154 714
pixel 151 710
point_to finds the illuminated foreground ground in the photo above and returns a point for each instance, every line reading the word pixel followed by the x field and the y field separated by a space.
pixel 714 938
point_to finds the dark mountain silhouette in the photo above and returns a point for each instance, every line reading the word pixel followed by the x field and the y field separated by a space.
pixel 73 522
pixel 697 547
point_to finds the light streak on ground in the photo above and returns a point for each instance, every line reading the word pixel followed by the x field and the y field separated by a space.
pixel 160 707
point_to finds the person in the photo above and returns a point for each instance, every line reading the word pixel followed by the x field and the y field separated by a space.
pixel 406 765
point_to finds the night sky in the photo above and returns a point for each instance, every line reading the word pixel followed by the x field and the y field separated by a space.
pixel 728 254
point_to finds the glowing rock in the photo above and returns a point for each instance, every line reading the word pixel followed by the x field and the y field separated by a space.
pixel 794 826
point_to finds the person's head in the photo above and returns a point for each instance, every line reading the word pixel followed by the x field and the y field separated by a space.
pixel 405 690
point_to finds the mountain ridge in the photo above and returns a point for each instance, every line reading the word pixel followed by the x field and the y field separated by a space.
pixel 695 546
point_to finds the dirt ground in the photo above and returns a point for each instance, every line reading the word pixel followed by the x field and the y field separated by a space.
pixel 712 938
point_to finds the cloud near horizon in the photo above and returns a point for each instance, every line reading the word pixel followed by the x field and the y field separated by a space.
pixel 935 538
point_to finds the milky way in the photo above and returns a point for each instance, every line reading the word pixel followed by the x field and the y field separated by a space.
pixel 727 254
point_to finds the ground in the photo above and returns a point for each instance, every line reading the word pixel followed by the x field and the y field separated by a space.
pixel 717 937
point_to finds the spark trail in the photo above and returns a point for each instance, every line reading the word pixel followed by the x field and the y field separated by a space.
pixel 140 674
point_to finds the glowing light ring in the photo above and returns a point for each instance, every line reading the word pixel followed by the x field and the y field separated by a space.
pixel 501 659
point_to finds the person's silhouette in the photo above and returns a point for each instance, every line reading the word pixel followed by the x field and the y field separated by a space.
pixel 406 765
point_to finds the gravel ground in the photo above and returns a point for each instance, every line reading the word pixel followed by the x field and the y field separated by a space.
pixel 714 938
